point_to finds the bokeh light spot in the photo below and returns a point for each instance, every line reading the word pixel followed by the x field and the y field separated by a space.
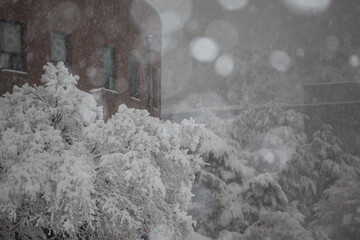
pixel 233 5
pixel 354 61
pixel 280 60
pixel 204 49
pixel 224 65
pixel 305 7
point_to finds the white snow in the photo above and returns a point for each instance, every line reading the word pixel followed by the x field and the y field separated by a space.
pixel 135 99
pixel 14 71
pixel 161 232
pixel 224 65
pixel 268 156
pixel 123 168
pixel 354 61
pixel 305 7
pixel 96 90
pixel 280 60
pixel 204 49
pixel 197 236
pixel 233 5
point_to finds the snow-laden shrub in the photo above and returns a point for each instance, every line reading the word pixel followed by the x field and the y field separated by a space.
pixel 324 180
pixel 265 136
pixel 315 167
pixel 45 177
pixel 217 188
pixel 65 173
pixel 227 192
pixel 338 212
pixel 280 225
pixel 144 170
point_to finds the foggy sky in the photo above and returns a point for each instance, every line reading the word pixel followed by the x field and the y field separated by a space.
pixel 319 46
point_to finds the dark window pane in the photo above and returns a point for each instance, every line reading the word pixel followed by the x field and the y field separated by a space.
pixel 5 60
pixel 17 62
pixel 12 47
pixel 134 76
pixel 11 41
pixel 109 67
pixel 154 87
pixel 59 48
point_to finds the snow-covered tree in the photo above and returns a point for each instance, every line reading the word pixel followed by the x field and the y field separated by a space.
pixel 217 191
pixel 257 140
pixel 281 225
pixel 315 167
pixel 265 136
pixel 338 212
pixel 45 174
pixel 65 173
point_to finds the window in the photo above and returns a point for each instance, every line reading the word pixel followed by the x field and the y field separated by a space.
pixel 109 67
pixel 148 60
pixel 154 88
pixel 12 46
pixel 134 76
pixel 60 48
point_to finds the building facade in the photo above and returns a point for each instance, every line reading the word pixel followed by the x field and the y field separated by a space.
pixel 114 46
pixel 336 104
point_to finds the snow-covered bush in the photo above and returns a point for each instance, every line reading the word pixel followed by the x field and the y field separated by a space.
pixel 45 177
pixel 324 180
pixel 315 167
pixel 338 212
pixel 144 170
pixel 288 179
pixel 65 173
pixel 265 136
pixel 280 225
pixel 257 140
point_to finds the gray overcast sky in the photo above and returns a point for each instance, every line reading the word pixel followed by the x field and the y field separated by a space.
pixel 260 47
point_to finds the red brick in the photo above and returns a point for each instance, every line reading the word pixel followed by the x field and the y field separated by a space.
pixel 123 24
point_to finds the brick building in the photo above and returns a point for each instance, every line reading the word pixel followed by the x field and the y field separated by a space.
pixel 113 45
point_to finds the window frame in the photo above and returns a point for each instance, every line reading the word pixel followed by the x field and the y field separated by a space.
pixel 67 47
pixel 113 69
pixel 22 54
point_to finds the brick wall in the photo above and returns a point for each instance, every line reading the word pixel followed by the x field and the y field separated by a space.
pixel 90 25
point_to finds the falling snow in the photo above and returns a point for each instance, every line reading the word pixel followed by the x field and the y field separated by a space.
pixel 307 6
pixel 354 61
pixel 243 161
pixel 204 49
pixel 280 60
pixel 224 65
pixel 233 5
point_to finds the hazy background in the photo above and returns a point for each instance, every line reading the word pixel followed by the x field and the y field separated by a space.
pixel 220 52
